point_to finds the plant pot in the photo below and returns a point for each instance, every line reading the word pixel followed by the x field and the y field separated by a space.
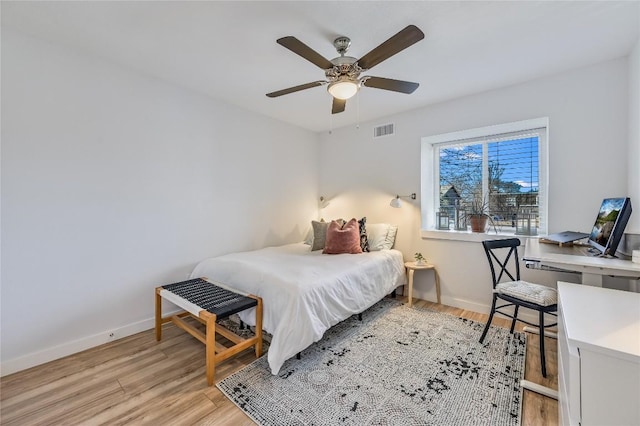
pixel 421 262
pixel 478 223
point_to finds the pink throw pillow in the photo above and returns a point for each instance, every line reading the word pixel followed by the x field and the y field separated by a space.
pixel 345 239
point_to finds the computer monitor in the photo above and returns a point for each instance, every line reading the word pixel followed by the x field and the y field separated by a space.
pixel 612 219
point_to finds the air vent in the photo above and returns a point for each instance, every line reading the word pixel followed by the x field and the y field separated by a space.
pixel 384 130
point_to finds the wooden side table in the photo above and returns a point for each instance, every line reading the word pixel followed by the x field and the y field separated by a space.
pixel 411 268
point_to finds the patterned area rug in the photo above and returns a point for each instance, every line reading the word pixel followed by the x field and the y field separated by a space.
pixel 400 365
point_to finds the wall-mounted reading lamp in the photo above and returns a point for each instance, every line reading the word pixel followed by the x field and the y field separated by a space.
pixel 396 203
pixel 323 202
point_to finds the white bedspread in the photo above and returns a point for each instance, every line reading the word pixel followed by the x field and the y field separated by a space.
pixel 304 292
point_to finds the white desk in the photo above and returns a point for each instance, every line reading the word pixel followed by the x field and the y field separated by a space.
pixel 572 259
pixel 598 356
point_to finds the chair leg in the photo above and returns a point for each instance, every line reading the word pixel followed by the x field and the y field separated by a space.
pixel 486 327
pixel 513 321
pixel 542 359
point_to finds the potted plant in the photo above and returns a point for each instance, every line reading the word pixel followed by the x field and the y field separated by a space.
pixel 420 260
pixel 478 215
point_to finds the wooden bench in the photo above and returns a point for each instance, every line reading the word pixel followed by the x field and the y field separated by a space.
pixel 208 302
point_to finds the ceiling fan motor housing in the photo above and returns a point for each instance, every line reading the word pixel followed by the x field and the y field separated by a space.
pixel 343 66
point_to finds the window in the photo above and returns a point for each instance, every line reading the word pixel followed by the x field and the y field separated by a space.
pixel 498 169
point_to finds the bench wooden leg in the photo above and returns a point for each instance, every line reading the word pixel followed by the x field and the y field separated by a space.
pixel 158 314
pixel 211 349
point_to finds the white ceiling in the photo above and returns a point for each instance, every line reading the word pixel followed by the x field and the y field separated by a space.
pixel 228 50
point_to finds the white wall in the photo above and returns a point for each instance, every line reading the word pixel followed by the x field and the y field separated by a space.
pixel 588 151
pixel 114 183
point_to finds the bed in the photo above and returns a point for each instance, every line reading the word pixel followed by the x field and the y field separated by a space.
pixel 305 292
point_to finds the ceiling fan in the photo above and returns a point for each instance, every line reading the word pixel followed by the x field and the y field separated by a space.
pixel 343 73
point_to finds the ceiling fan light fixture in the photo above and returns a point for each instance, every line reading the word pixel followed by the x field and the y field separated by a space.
pixel 343 89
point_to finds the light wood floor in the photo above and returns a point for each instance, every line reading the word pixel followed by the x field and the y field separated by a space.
pixel 137 380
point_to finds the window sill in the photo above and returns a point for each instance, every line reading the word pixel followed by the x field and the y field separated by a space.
pixel 435 234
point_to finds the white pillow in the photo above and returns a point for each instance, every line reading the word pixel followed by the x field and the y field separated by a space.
pixel 381 236
pixel 391 237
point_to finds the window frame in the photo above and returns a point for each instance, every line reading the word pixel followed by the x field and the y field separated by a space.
pixel 430 167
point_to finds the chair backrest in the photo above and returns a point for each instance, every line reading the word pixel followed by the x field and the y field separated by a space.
pixel 504 261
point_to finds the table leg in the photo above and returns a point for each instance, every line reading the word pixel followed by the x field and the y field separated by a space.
pixel 437 279
pixel 542 390
pixel 535 387
pixel 411 271
pixel 592 279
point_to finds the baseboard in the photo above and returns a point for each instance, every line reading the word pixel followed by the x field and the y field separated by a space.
pixel 60 351
pixel 466 304
pixel 430 296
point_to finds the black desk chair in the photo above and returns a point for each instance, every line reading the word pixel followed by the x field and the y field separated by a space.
pixel 503 257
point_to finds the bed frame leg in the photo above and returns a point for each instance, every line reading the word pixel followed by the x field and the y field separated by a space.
pixel 360 316
pixel 298 355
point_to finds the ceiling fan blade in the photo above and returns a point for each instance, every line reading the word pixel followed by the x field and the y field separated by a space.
pixel 390 84
pixel 395 44
pixel 295 89
pixel 299 48
pixel 338 105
